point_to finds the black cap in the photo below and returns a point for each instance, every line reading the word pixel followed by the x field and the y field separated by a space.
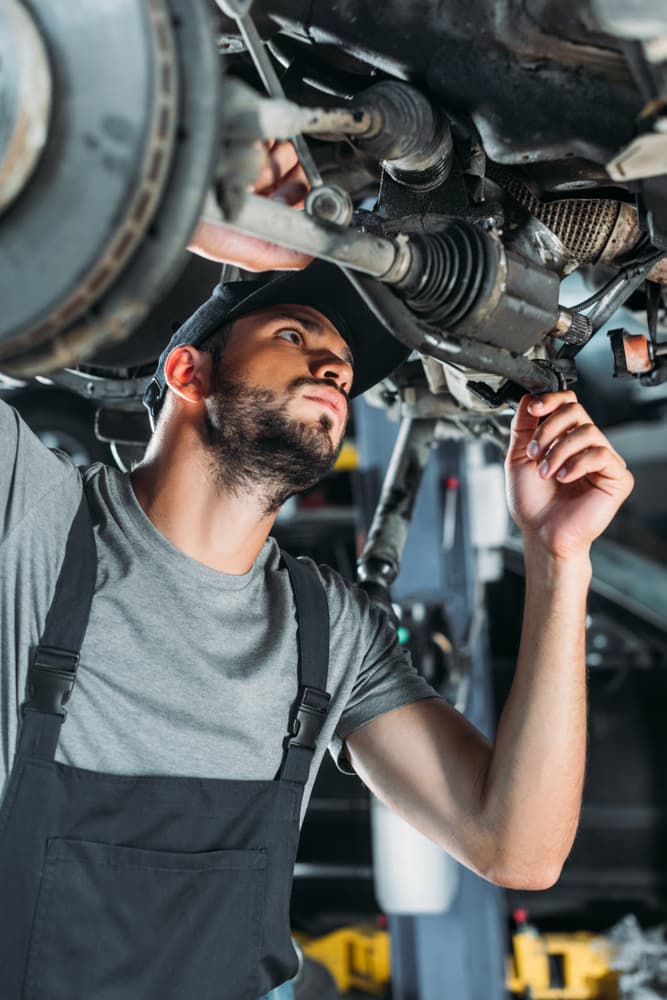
pixel 320 285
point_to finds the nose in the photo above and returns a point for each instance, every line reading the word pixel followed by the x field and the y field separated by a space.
pixel 330 366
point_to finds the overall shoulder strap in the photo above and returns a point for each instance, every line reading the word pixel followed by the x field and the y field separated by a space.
pixel 52 673
pixel 310 708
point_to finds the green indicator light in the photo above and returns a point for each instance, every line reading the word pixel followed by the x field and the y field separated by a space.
pixel 403 634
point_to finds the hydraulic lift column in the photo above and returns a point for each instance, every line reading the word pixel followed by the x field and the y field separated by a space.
pixel 457 953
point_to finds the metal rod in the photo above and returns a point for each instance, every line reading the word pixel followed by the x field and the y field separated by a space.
pixel 606 300
pixel 275 118
pixel 617 293
pixel 380 560
pixel 635 270
pixel 337 121
pixel 274 88
pixel 268 220
pixel 475 354
pixel 494 360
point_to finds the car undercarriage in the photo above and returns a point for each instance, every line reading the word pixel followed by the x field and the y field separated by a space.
pixel 463 160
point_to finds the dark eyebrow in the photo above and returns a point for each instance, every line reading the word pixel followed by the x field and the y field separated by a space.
pixel 313 326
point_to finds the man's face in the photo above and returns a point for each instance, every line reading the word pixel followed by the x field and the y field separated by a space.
pixel 277 347
pixel 277 412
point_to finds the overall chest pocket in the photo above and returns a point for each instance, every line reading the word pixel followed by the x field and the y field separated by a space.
pixel 123 923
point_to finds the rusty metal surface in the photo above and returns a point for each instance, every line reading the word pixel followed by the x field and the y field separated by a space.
pixel 659 273
pixel 87 280
pixel 637 353
pixel 584 226
pixel 623 236
pixel 158 260
pixel 26 99
pixel 78 342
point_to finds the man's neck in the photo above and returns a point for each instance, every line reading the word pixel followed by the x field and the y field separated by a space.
pixel 221 530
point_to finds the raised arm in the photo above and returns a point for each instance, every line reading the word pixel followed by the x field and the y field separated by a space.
pixel 510 811
pixel 281 179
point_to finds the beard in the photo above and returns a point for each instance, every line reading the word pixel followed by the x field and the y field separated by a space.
pixel 256 447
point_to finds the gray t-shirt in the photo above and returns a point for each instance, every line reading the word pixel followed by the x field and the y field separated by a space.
pixel 183 670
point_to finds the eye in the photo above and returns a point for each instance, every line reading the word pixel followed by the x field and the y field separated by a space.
pixel 292 335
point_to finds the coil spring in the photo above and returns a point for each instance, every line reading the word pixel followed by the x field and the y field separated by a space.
pixel 453 265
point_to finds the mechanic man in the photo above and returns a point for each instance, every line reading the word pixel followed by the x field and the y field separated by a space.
pixel 147 844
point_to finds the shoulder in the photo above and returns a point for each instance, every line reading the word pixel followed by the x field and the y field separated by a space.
pixel 360 630
pixel 27 462
pixel 40 489
pixel 108 492
pixel 348 602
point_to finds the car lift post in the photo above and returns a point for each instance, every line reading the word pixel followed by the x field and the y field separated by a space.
pixel 458 953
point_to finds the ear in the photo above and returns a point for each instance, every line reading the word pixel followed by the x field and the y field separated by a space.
pixel 188 373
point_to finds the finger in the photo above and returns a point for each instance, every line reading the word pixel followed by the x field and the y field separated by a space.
pixel 295 173
pixel 292 193
pixel 542 406
pixel 567 447
pixel 522 428
pixel 524 419
pixel 292 189
pixel 562 421
pixel 281 160
pixel 558 425
pixel 605 470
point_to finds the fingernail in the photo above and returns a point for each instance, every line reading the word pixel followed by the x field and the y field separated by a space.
pixel 533 449
pixel 535 403
pixel 544 468
pixel 562 472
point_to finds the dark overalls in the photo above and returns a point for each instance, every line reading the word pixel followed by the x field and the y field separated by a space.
pixel 148 888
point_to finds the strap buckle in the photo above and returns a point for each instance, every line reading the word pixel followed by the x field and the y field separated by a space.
pixel 311 711
pixel 51 680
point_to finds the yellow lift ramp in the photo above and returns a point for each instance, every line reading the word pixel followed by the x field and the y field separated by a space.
pixel 560 966
pixel 357 957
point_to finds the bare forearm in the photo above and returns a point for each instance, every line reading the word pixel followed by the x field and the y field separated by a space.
pixel 510 811
pixel 532 793
pixel 215 241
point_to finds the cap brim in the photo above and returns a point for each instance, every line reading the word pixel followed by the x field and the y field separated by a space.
pixel 325 287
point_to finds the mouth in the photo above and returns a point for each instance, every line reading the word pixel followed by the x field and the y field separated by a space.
pixel 331 399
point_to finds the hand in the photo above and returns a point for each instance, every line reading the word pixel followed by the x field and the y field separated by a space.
pixel 281 179
pixel 565 482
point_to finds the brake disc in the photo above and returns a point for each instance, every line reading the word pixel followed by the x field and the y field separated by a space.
pixel 96 232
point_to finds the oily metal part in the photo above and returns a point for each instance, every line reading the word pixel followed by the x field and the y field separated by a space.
pixel 239 10
pixel 479 356
pixel 591 229
pixel 144 189
pixel 490 59
pixel 384 258
pixel 624 238
pixel 26 86
pixel 410 136
pixel 584 226
pixel 380 560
